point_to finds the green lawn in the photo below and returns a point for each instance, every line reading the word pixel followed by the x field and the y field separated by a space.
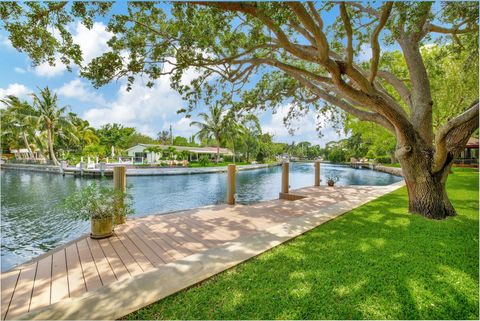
pixel 216 164
pixel 375 262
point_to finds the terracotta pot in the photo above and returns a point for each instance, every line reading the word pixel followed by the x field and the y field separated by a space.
pixel 330 183
pixel 101 228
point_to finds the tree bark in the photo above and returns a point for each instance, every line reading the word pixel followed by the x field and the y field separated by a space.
pixel 50 147
pixel 427 195
pixel 27 145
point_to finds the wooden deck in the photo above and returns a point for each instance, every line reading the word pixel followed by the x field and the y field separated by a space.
pixel 144 244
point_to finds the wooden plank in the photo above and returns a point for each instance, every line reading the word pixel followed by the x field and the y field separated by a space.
pixel 157 244
pixel 90 272
pixel 218 233
pixel 133 267
pixel 76 281
pixel 23 292
pixel 203 244
pixel 183 240
pixel 8 282
pixel 139 257
pixel 173 248
pixel 59 277
pixel 147 238
pixel 103 267
pixel 155 259
pixel 42 284
pixel 121 272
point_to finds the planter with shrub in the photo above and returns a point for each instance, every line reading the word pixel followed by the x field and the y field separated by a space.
pixel 331 180
pixel 100 204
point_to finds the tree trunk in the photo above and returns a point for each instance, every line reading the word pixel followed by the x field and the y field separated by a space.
pixel 27 145
pixel 51 153
pixel 427 195
pixel 218 150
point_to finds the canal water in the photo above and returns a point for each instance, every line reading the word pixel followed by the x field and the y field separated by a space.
pixel 32 222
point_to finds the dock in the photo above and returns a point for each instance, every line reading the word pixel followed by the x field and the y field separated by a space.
pixel 151 257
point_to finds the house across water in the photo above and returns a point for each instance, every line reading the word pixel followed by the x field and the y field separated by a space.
pixel 142 152
pixel 469 156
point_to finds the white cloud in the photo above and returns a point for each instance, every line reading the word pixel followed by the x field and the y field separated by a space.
pixel 79 90
pixel 305 128
pixel 46 70
pixel 365 53
pixel 302 125
pixel 5 42
pixel 92 42
pixel 19 70
pixel 15 89
pixel 147 109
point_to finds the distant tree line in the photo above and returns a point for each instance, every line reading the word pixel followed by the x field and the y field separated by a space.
pixel 54 132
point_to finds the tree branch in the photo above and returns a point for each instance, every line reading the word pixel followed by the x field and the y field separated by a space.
pixel 453 136
pixel 315 29
pixel 398 85
pixel 387 8
pixel 348 29
pixel 454 31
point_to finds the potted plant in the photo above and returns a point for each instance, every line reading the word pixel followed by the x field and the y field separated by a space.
pixel 331 180
pixel 100 204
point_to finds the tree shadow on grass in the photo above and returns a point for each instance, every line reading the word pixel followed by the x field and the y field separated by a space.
pixel 376 262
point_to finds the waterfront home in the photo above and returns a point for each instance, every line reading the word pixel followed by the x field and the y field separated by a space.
pixel 469 156
pixel 140 152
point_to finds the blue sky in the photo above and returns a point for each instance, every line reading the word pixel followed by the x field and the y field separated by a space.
pixel 148 110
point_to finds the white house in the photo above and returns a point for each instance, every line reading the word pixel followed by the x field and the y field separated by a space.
pixel 140 155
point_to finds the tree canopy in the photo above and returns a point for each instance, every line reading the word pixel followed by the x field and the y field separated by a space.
pixel 257 55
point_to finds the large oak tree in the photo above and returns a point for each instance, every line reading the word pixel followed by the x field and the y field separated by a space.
pixel 259 55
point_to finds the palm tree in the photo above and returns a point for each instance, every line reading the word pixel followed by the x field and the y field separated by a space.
pixel 85 135
pixel 52 119
pixel 19 123
pixel 212 126
pixel 154 150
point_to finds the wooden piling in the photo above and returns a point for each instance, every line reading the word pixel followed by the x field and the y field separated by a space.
pixel 231 172
pixel 102 169
pixel 317 173
pixel 81 168
pixel 285 177
pixel 120 184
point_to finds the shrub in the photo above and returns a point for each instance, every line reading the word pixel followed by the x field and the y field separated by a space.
pixel 204 160
pixel 97 202
pixel 384 159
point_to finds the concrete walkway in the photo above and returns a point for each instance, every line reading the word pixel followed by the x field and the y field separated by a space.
pixel 152 257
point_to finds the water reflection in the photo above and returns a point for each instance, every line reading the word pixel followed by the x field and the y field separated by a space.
pixel 32 221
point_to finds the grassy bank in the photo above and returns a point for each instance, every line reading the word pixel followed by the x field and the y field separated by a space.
pixel 195 165
pixel 375 262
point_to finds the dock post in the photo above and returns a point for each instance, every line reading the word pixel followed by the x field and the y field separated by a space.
pixel 120 184
pixel 62 169
pixel 231 171
pixel 81 168
pixel 285 177
pixel 317 173
pixel 102 169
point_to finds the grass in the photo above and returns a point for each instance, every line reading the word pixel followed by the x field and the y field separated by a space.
pixel 216 164
pixel 391 165
pixel 375 262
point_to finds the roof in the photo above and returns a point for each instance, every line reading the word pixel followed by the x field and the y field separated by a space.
pixel 191 149
pixel 472 142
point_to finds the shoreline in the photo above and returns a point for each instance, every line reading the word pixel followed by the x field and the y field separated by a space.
pixel 131 171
